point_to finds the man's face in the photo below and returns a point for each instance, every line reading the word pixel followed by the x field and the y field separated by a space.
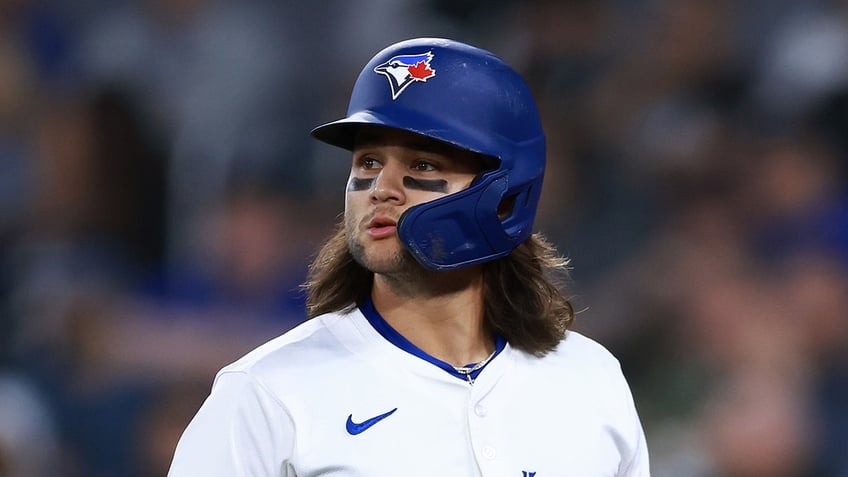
pixel 393 170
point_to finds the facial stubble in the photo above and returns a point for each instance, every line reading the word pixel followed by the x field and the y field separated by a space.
pixel 401 271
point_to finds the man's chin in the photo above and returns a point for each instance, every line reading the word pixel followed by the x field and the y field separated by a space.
pixel 398 262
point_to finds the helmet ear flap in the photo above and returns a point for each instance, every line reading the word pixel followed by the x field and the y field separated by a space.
pixel 460 229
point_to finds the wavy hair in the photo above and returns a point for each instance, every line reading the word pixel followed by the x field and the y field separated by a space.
pixel 523 292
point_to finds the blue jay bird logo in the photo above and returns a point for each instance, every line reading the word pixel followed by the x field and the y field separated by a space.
pixel 403 70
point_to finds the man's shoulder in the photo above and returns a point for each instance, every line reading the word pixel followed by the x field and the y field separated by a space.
pixel 579 348
pixel 309 342
pixel 578 362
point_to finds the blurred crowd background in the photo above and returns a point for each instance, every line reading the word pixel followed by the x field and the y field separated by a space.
pixel 160 199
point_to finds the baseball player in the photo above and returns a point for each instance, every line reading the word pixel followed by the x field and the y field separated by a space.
pixel 439 343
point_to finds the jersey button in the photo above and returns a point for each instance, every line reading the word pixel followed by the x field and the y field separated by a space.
pixel 489 452
pixel 480 410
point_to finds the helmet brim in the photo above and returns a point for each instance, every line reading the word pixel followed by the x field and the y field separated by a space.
pixel 342 133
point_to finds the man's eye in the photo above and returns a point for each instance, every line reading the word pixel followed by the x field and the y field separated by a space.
pixel 423 166
pixel 369 163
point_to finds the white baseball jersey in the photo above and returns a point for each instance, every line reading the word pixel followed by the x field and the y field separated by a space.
pixel 344 395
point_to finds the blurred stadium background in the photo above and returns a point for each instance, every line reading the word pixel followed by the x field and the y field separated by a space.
pixel 160 198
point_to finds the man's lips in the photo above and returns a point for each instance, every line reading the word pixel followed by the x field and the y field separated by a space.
pixel 381 227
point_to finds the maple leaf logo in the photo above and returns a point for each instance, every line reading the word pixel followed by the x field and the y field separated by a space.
pixel 421 71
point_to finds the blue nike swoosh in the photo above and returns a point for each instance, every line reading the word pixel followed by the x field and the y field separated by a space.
pixel 354 428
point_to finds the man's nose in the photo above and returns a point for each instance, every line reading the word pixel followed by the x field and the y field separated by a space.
pixel 388 185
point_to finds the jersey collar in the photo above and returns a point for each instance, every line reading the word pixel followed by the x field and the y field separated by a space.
pixel 366 306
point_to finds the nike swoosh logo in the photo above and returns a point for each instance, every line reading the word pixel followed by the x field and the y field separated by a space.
pixel 354 428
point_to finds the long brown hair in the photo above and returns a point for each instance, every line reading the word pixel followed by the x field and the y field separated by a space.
pixel 523 292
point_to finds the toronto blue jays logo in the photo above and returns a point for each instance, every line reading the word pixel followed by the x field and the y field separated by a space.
pixel 403 70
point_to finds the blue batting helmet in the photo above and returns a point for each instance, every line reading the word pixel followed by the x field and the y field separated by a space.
pixel 471 99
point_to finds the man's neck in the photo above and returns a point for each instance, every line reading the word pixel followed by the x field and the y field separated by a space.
pixel 442 315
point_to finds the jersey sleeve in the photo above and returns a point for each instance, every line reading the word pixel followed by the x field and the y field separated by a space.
pixel 241 430
pixel 637 465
